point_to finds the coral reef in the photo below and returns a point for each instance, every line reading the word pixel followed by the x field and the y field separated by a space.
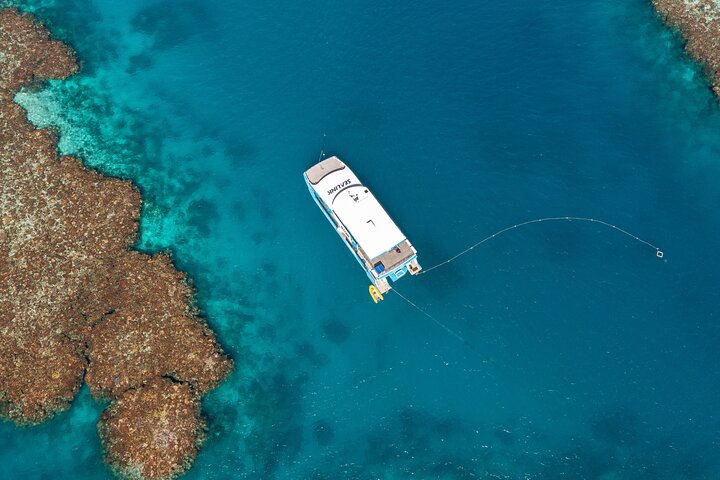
pixel 158 421
pixel 699 23
pixel 76 302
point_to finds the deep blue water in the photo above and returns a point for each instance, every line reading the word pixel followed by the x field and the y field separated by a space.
pixel 586 357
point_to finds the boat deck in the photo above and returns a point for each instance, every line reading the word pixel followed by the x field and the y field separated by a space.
pixel 397 256
pixel 323 169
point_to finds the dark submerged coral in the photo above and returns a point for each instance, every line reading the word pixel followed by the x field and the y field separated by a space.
pixel 76 303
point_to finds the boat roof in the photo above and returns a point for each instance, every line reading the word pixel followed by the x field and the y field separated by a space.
pixel 356 207
pixel 321 169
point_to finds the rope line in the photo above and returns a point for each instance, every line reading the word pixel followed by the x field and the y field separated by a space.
pixel 322 149
pixel 438 322
pixel 658 253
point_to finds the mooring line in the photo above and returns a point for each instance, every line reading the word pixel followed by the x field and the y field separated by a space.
pixel 322 149
pixel 438 322
pixel 658 253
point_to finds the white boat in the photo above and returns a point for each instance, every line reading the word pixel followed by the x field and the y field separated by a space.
pixel 365 227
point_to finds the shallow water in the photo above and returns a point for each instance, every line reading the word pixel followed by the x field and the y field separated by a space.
pixel 588 358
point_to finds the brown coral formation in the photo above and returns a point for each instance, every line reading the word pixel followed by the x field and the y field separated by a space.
pixel 157 421
pixel 699 23
pixel 76 302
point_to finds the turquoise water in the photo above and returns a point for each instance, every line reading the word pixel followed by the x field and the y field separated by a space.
pixel 588 357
